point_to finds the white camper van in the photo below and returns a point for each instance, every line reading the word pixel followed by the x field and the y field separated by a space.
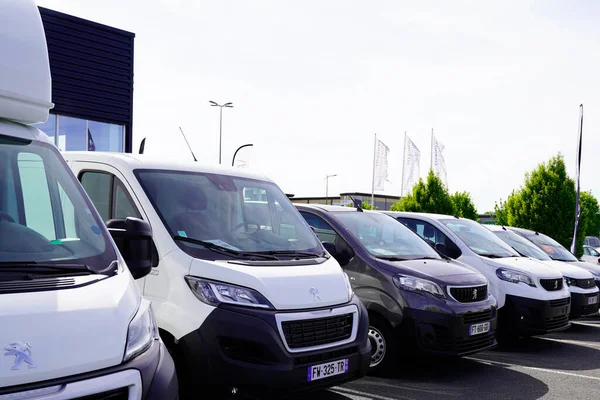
pixel 245 294
pixel 73 323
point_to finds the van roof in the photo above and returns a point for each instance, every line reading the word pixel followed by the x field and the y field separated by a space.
pixel 328 208
pixel 419 214
pixel 129 161
pixel 25 81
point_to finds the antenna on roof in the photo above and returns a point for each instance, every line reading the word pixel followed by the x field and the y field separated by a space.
pixel 357 203
pixel 142 145
pixel 188 144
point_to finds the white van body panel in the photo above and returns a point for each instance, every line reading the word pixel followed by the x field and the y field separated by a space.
pixel 25 83
pixel 177 309
pixel 69 331
pixel 570 270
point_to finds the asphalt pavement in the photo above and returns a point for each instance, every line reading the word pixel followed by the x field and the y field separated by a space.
pixel 562 365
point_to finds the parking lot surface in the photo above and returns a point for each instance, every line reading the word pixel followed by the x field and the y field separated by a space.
pixel 563 365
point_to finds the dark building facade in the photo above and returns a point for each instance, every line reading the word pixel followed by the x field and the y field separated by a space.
pixel 382 202
pixel 92 84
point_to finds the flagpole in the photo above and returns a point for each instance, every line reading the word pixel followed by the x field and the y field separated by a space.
pixel 373 181
pixel 431 156
pixel 403 164
pixel 577 171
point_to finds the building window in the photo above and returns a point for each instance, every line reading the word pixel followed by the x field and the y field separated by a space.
pixel 75 134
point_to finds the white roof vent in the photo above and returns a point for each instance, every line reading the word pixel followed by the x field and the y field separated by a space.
pixel 25 82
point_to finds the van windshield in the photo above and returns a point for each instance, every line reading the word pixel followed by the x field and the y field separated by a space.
pixel 522 245
pixel 216 216
pixel 385 237
pixel 554 249
pixel 479 239
pixel 45 217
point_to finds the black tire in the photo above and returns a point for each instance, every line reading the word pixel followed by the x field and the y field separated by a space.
pixel 384 345
pixel 185 391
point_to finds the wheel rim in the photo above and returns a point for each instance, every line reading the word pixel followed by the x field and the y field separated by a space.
pixel 378 346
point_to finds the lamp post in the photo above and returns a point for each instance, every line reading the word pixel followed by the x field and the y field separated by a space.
pixel 238 149
pixel 215 104
pixel 327 186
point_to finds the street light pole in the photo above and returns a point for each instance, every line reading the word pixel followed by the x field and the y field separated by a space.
pixel 238 149
pixel 228 105
pixel 327 186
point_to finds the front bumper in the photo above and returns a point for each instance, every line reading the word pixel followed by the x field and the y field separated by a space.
pixel 581 307
pixel 535 317
pixel 449 334
pixel 242 347
pixel 151 376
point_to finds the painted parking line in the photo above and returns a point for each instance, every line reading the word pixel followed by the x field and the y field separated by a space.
pixel 591 324
pixel 346 391
pixel 570 341
pixel 552 371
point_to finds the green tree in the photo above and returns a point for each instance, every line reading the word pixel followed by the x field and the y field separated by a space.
pixel 463 206
pixel 429 197
pixel 590 214
pixel 546 204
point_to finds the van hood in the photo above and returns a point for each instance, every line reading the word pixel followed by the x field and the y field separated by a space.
pixel 439 271
pixel 287 287
pixel 593 268
pixel 524 264
pixel 59 333
pixel 569 270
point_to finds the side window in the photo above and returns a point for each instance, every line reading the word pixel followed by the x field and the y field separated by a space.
pixel 123 205
pixel 109 195
pixel 324 231
pixel 68 211
pixel 98 187
pixel 433 236
pixel 36 195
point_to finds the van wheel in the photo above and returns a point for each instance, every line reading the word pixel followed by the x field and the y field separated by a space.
pixel 383 345
pixel 184 392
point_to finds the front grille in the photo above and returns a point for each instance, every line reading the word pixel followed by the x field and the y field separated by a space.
pixel 322 357
pixel 469 294
pixel 318 331
pixel 556 322
pixel 585 283
pixel 591 309
pixel 560 302
pixel 117 394
pixel 475 317
pixel 552 284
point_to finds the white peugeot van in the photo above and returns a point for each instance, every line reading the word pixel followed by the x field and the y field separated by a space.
pixel 73 323
pixel 245 295
pixel 532 297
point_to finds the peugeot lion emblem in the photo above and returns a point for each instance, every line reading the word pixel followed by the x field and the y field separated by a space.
pixel 474 294
pixel 315 292
pixel 22 353
pixel 555 284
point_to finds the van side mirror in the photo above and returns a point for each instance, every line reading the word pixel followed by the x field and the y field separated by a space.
pixel 330 247
pixel 342 255
pixel 449 251
pixel 133 237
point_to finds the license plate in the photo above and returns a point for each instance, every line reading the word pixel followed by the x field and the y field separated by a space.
pixel 326 370
pixel 477 329
pixel 592 300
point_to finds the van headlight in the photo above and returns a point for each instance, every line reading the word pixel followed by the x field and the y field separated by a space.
pixel 418 285
pixel 348 285
pixel 514 277
pixel 142 331
pixel 215 293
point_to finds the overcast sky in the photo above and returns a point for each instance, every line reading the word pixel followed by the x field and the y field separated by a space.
pixel 313 80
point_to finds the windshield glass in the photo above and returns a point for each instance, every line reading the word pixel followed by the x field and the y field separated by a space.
pixel 551 247
pixel 231 213
pixel 479 239
pixel 44 215
pixel 522 245
pixel 383 236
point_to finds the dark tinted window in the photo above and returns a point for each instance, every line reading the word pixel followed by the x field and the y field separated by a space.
pixel 109 195
pixel 324 231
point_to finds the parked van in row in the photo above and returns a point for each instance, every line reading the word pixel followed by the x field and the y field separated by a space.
pixel 72 321
pixel 532 297
pixel 413 295
pixel 584 292
pixel 245 295
pixel 556 251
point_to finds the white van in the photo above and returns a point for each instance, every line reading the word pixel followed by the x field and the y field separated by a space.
pixel 73 323
pixel 533 298
pixel 245 295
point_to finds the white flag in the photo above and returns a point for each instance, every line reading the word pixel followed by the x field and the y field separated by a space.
pixel 439 165
pixel 381 165
pixel 411 169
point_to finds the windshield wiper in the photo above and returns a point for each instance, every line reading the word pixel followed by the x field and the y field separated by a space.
pixel 43 267
pixel 287 252
pixel 494 256
pixel 392 258
pixel 222 249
